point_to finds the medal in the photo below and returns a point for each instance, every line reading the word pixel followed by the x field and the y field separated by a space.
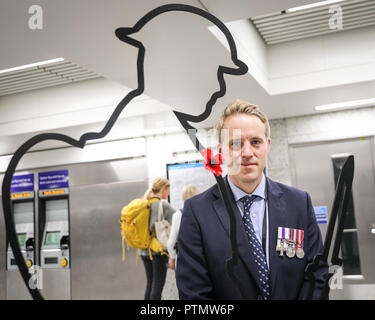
pixel 286 238
pixel 299 252
pixel 278 245
pixel 281 248
pixel 290 252
pixel 283 241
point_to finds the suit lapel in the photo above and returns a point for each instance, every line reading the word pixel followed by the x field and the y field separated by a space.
pixel 244 250
pixel 277 218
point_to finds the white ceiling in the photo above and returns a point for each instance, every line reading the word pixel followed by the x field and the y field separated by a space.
pixel 182 55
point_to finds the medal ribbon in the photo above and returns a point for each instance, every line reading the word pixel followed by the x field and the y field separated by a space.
pixel 299 243
pixel 298 238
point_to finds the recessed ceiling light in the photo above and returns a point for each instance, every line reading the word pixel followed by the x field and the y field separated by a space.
pixel 347 104
pixel 313 5
pixel 36 64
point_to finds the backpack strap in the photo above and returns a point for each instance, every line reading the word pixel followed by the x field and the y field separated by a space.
pixel 123 249
pixel 166 253
pixel 160 212
pixel 123 238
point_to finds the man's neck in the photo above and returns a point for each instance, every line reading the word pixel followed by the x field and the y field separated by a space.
pixel 246 187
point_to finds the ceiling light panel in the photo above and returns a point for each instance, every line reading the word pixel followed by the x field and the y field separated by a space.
pixel 42 75
pixel 304 23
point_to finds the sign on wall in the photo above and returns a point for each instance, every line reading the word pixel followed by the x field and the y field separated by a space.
pixel 21 183
pixel 53 179
pixel 321 214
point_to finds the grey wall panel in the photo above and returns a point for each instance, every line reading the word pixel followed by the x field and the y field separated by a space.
pixel 56 284
pixel 97 269
pixel 2 254
pixel 104 192
pixel 98 172
pixel 15 286
pixel 313 172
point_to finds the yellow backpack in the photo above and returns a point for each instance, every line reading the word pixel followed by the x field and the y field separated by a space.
pixel 135 227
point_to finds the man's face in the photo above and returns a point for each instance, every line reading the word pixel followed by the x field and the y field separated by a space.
pixel 245 148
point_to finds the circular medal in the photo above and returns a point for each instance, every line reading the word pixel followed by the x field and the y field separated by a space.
pixel 300 254
pixel 290 252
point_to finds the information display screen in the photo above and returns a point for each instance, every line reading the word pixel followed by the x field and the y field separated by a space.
pixel 52 238
pixel 21 239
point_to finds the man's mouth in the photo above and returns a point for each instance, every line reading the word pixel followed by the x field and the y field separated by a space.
pixel 248 165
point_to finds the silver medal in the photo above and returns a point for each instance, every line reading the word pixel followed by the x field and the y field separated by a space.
pixel 300 254
pixel 281 248
pixel 279 240
pixel 290 252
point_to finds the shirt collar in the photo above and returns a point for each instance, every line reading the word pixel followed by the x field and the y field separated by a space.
pixel 259 190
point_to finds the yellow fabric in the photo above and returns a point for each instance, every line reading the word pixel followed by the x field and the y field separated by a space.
pixel 135 225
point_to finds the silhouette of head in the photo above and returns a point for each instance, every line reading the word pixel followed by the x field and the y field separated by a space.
pixel 125 35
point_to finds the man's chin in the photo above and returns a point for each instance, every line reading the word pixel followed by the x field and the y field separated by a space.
pixel 246 177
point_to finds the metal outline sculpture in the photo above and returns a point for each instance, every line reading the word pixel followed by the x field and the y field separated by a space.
pixel 123 35
pixel 337 217
pixel 184 118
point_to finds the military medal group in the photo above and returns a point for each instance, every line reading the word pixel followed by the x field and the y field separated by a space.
pixel 290 241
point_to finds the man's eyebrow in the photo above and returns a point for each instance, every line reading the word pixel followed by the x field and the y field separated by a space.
pixel 257 138
pixel 240 138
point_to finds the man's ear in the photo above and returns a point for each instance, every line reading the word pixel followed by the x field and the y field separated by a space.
pixel 268 145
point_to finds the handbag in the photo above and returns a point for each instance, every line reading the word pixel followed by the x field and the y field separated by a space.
pixel 162 227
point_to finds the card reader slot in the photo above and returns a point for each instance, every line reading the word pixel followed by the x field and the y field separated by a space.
pixel 51 260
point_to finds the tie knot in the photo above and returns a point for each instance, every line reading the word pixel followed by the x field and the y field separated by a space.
pixel 248 200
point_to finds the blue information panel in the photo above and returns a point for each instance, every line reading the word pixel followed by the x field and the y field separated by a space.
pixel 53 179
pixel 321 214
pixel 22 183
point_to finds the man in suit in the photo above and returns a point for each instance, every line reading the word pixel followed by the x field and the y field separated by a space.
pixel 267 210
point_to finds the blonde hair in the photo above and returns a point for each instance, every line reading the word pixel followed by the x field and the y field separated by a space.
pixel 157 185
pixel 236 107
pixel 189 191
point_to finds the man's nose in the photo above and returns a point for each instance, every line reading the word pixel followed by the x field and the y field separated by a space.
pixel 247 150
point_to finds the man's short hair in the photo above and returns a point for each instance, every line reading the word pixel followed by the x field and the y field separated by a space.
pixel 236 107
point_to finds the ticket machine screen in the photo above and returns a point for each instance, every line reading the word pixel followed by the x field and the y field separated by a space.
pixel 21 239
pixel 52 238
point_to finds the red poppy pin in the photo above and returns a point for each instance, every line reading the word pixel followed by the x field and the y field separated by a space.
pixel 212 164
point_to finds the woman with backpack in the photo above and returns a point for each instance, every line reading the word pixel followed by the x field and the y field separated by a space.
pixel 156 269
pixel 188 191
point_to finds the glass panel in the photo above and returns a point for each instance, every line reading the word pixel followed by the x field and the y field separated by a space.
pixel 350 253
pixel 349 241
pixel 52 238
pixel 21 239
pixel 350 219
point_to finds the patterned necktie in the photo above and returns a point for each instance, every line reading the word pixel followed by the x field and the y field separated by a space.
pixel 260 258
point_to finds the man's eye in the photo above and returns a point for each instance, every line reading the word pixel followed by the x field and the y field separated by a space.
pixel 236 143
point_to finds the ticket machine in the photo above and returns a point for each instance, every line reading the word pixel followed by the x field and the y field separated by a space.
pixel 23 214
pixel 55 242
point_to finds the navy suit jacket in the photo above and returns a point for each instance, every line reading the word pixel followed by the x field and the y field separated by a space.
pixel 204 246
